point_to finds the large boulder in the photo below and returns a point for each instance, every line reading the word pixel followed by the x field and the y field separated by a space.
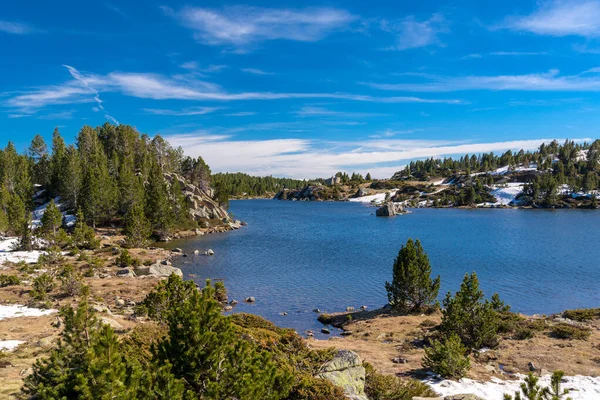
pixel 159 269
pixel 346 371
pixel 390 209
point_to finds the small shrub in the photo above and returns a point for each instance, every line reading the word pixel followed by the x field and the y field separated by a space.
pixel 220 291
pixel 566 331
pixel 428 323
pixel 388 387
pixel 523 333
pixel 70 279
pixel 582 315
pixel 349 317
pixel 42 285
pixel 124 259
pixel 9 280
pixel 448 358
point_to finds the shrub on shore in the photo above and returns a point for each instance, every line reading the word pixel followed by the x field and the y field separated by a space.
pixel 566 331
pixel 468 316
pixel 388 387
pixel 582 314
pixel 447 358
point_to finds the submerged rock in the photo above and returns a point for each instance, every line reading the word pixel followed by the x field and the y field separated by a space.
pixel 346 371
pixel 250 299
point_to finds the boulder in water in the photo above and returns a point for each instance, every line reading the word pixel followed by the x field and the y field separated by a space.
pixel 389 209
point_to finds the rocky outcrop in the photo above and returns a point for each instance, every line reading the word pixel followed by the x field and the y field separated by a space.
pixel 200 202
pixel 361 192
pixel 311 193
pixel 346 371
pixel 453 397
pixel 389 209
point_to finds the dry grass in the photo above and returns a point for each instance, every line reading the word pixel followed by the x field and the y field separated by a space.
pixel 381 337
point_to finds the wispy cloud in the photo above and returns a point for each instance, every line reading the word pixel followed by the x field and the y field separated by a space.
pixel 86 84
pixel 160 87
pixel 504 53
pixel 412 33
pixel 309 111
pixel 256 71
pixel 241 114
pixel 16 28
pixel 388 133
pixel 195 66
pixel 184 112
pixel 303 158
pixel 560 18
pixel 117 10
pixel 547 81
pixel 242 26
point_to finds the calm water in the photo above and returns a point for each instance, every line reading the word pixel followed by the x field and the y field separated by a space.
pixel 298 256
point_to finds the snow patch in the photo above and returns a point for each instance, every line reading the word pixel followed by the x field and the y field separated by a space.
pixel 6 253
pixel 374 198
pixel 15 310
pixel 38 213
pixel 580 387
pixel 9 345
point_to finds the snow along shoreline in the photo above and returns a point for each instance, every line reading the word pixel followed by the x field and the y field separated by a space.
pixel 580 387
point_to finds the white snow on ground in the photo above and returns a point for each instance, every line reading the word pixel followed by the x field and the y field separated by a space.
pixel 6 253
pixel 38 213
pixel 377 198
pixel 9 345
pixel 506 169
pixel 580 387
pixel 15 310
pixel 506 195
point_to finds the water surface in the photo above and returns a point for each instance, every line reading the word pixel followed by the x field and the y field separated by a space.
pixel 297 256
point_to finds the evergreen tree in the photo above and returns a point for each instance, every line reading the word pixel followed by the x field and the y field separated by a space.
pixel 157 207
pixel 412 289
pixel 137 228
pixel 447 358
pixel 57 163
pixel 368 177
pixel 84 236
pixel 469 317
pixel 71 176
pixel 51 220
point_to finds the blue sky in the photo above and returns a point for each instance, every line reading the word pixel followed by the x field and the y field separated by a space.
pixel 305 88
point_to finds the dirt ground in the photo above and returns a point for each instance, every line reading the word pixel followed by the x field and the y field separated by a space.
pixel 379 338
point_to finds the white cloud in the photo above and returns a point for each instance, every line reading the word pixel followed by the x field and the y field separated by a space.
pixel 303 158
pixel 15 28
pixel 561 18
pixel 412 33
pixel 241 26
pixel 548 81
pixel 256 71
pixel 309 111
pixel 388 133
pixel 241 114
pixel 184 112
pixel 159 87
pixel 518 53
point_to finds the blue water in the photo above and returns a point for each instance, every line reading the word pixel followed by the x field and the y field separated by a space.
pixel 297 256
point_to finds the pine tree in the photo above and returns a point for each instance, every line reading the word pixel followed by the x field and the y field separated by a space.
pixel 412 289
pixel 205 353
pixel 466 314
pixel 84 236
pixel 16 213
pixel 71 176
pixel 368 177
pixel 157 207
pixel 447 358
pixel 137 228
pixel 57 163
pixel 51 220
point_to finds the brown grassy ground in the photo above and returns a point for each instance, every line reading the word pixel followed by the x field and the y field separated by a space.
pixel 40 332
pixel 379 337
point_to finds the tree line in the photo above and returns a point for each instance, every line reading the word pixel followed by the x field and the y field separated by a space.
pixel 111 174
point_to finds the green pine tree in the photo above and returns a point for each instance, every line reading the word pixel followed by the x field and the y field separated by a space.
pixel 470 317
pixel 84 236
pixel 51 220
pixel 137 228
pixel 412 289
pixel 447 358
